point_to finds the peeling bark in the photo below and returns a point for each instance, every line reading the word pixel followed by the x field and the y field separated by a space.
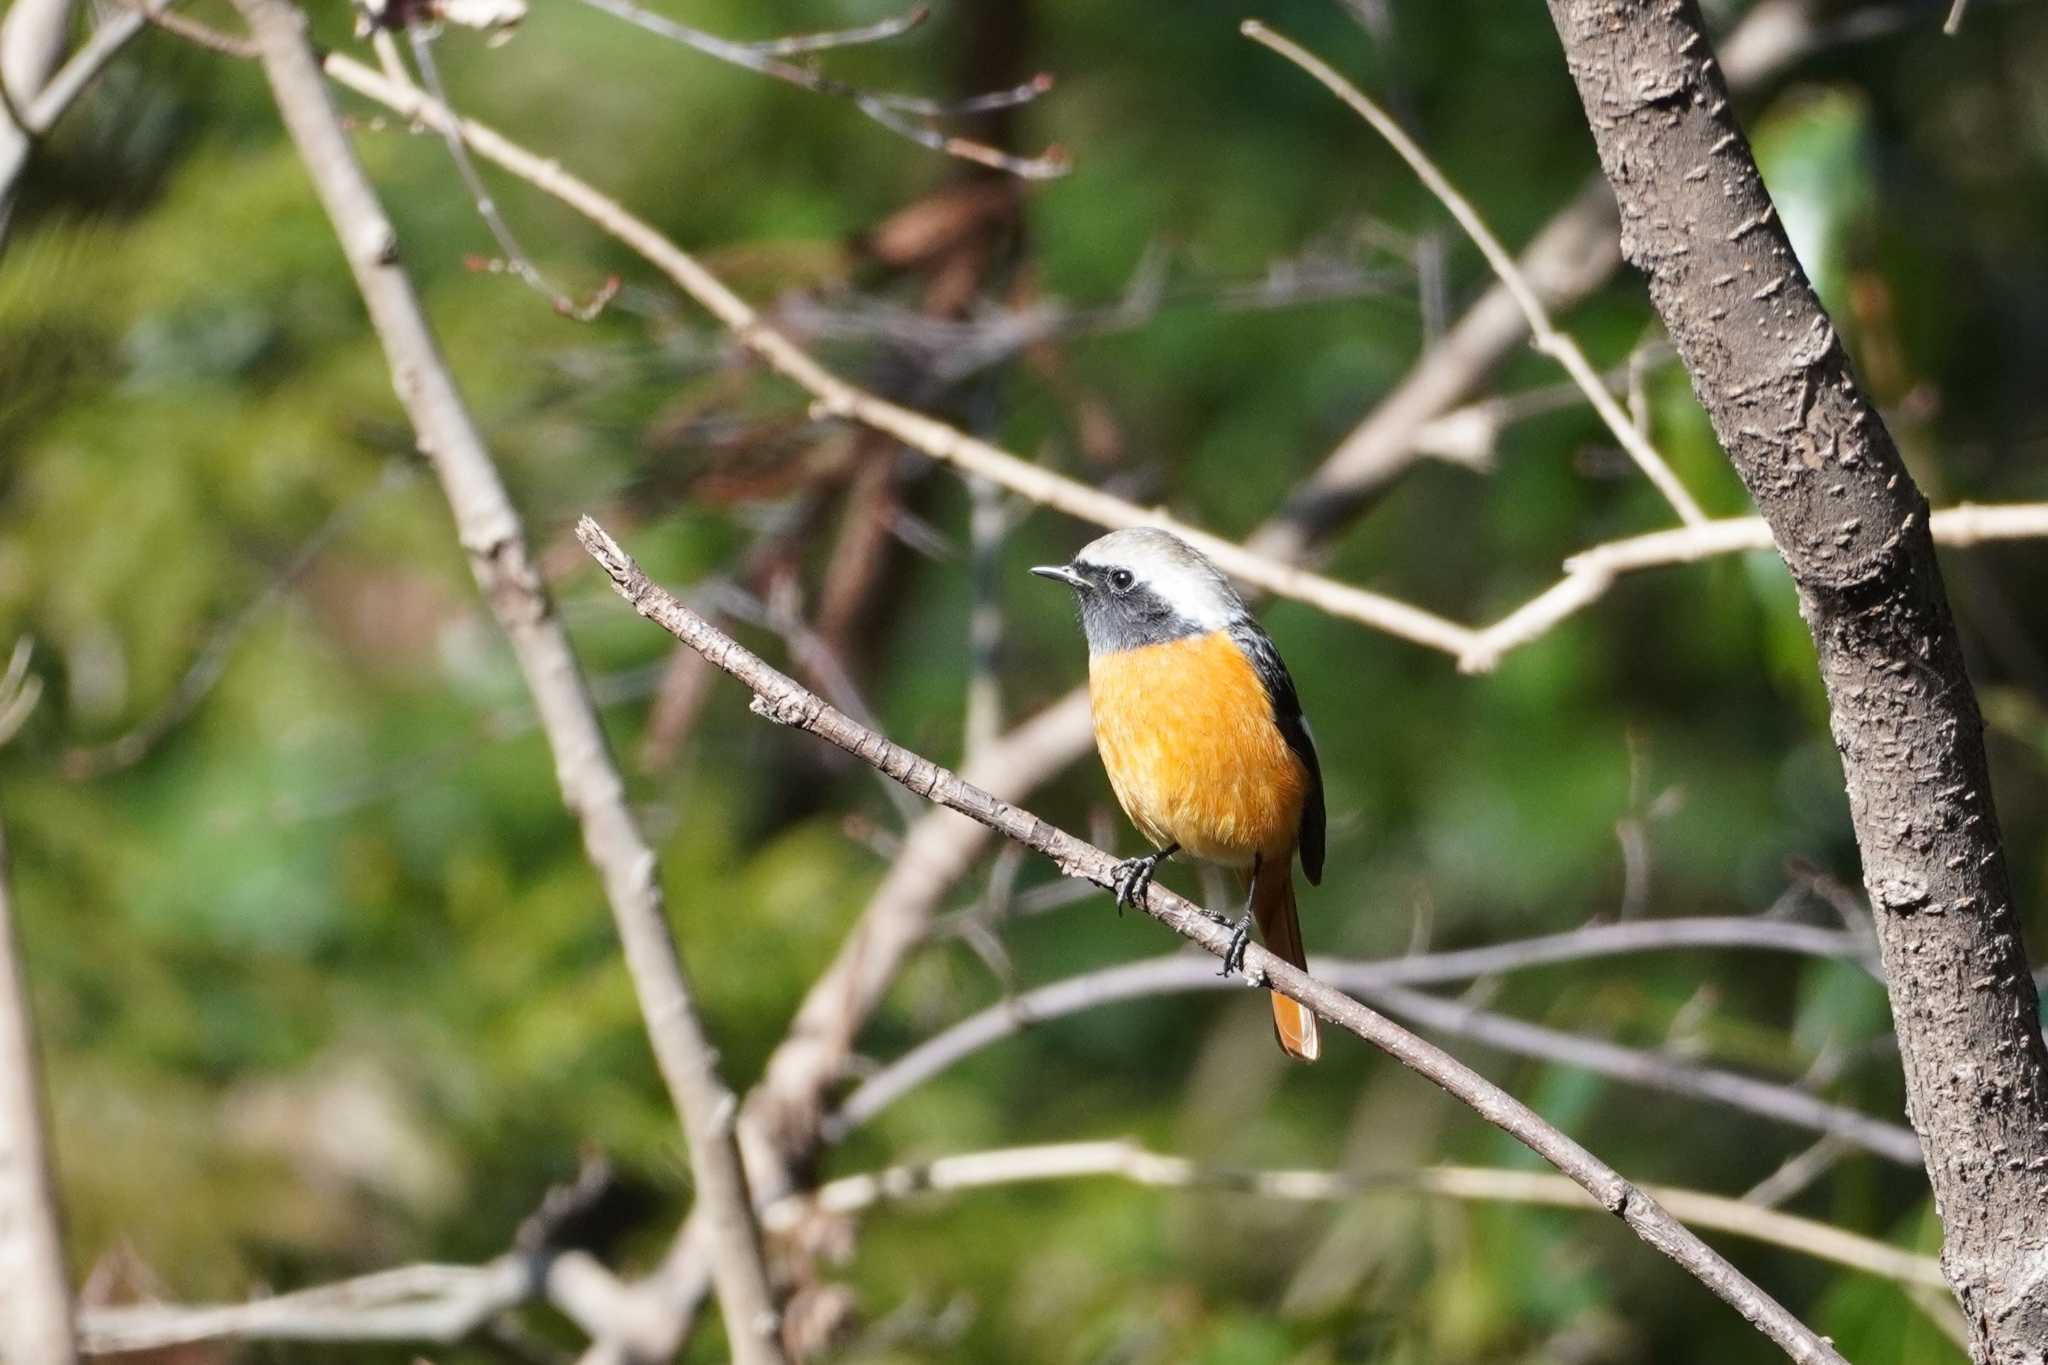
pixel 1853 529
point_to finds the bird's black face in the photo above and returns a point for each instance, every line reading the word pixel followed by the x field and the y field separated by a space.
pixel 1118 609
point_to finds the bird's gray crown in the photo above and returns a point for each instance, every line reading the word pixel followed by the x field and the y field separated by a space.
pixel 1144 586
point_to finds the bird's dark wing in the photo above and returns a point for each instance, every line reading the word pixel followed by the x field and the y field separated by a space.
pixel 1258 647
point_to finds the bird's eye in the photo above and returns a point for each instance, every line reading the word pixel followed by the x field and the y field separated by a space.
pixel 1121 579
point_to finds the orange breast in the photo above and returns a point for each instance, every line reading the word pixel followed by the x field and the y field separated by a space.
pixel 1187 735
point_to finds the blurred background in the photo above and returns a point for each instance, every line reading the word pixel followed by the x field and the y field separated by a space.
pixel 324 983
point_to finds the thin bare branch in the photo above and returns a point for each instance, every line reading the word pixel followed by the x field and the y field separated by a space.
pixel 1127 1160
pixel 1549 339
pixel 62 90
pixel 1783 1103
pixel 1591 572
pixel 1798 1173
pixel 437 1303
pixel 813 656
pixel 796 45
pixel 1385 985
pixel 491 531
pixel 416 1303
pixel 513 257
pixel 778 698
pixel 193 31
pixel 897 113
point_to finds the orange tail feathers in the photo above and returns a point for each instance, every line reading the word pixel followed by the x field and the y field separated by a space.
pixel 1273 906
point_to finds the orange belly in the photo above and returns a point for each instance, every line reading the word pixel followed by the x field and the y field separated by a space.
pixel 1187 735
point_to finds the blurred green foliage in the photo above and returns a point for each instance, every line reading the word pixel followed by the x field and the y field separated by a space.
pixel 324 982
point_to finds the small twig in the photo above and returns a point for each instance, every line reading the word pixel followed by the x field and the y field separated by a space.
pixel 1953 25
pixel 798 44
pixel 62 90
pixel 1552 342
pixel 513 257
pixel 1798 1172
pixel 193 31
pixel 894 112
pixel 1570 257
pixel 778 698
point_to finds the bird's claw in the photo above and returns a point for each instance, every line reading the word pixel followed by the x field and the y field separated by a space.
pixel 1133 877
pixel 1240 939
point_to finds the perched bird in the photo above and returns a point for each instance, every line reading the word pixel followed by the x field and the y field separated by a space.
pixel 1202 736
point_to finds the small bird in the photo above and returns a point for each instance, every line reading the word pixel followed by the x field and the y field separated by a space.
pixel 1202 735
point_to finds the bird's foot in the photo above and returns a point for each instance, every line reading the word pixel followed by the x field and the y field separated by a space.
pixel 1133 876
pixel 1240 939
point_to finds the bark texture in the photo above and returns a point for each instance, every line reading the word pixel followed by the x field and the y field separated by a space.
pixel 1853 530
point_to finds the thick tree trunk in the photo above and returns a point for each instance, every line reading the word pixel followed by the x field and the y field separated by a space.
pixel 1852 528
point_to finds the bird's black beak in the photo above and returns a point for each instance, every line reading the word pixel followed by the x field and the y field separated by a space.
pixel 1060 573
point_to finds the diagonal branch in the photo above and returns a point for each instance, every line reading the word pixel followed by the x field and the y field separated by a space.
pixel 491 532
pixel 780 699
